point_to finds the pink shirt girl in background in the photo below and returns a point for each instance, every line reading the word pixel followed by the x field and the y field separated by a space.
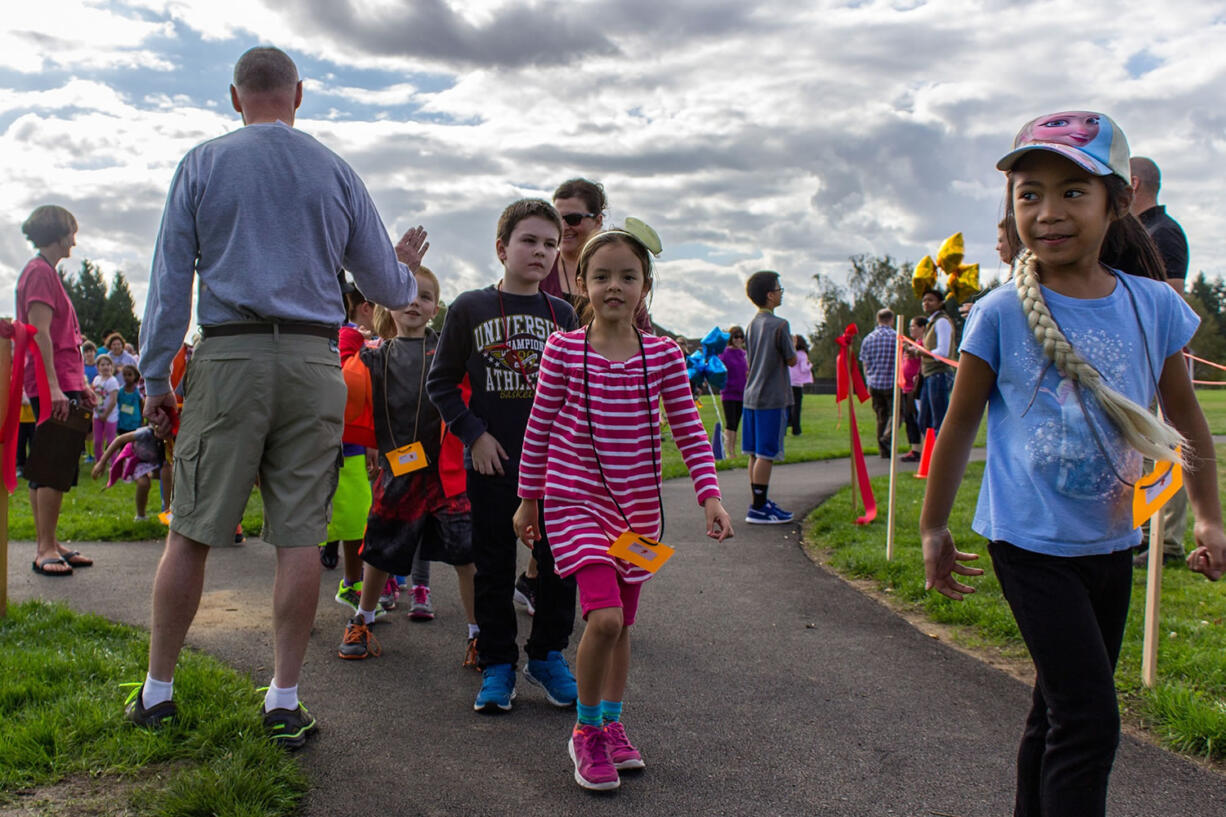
pixel 801 373
pixel 593 449
pixel 106 416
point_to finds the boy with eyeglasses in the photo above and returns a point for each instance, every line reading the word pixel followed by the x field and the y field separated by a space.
pixel 494 337
pixel 768 394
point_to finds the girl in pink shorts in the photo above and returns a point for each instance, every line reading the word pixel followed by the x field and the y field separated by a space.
pixel 592 449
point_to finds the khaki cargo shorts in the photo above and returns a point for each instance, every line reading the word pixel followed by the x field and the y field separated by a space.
pixel 266 405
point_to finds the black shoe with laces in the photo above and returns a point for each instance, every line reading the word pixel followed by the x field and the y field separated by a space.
pixel 525 592
pixel 290 727
pixel 155 717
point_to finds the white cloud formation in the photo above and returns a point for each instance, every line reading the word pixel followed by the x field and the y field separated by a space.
pixel 769 135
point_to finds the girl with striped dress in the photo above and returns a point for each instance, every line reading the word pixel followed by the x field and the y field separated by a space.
pixel 592 452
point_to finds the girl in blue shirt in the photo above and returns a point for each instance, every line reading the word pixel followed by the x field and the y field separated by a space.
pixel 1066 357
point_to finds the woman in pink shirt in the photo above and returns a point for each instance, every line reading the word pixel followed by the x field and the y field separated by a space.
pixel 801 373
pixel 42 302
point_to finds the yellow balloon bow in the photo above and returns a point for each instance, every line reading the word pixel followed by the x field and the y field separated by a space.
pixel 924 277
pixel 949 257
pixel 964 283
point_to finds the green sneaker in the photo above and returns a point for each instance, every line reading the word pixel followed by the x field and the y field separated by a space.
pixel 349 595
pixel 155 717
pixel 290 728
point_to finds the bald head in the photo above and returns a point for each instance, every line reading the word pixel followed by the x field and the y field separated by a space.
pixel 265 70
pixel 1145 174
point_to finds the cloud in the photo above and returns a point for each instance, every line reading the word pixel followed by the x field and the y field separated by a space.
pixel 766 135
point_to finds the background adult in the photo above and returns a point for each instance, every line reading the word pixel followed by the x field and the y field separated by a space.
pixel 1172 247
pixel 938 376
pixel 265 395
pixel 877 352
pixel 733 393
pixel 117 347
pixel 42 302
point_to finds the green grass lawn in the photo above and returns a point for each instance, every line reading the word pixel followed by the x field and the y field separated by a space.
pixel 1187 707
pixel 92 513
pixel 60 704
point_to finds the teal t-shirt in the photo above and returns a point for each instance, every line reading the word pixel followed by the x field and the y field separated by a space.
pixel 1052 485
pixel 129 404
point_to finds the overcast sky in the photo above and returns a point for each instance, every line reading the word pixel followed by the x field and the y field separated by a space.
pixel 770 134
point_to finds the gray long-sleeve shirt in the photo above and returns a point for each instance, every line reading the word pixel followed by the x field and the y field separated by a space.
pixel 266 216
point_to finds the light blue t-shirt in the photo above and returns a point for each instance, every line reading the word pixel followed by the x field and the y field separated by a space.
pixel 1048 485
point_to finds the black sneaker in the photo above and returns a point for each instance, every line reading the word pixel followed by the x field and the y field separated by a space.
pixel 290 727
pixel 525 592
pixel 329 554
pixel 155 717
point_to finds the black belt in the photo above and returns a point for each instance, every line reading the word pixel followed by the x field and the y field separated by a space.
pixel 287 328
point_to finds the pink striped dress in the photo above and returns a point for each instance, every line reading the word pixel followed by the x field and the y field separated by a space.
pixel 558 464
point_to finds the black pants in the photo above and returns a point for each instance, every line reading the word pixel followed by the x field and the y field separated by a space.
pixel 883 408
pixel 794 410
pixel 494 502
pixel 910 417
pixel 1071 612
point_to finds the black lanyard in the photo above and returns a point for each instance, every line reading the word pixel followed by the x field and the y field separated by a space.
pixel 655 453
pixel 512 355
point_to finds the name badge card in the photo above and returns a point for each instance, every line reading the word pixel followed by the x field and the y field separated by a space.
pixel 407 458
pixel 641 551
pixel 1154 490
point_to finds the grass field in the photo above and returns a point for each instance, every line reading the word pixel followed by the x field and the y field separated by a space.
pixel 1187 707
pixel 64 750
pixel 90 513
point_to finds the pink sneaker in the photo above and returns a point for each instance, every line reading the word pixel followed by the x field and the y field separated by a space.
pixel 621 750
pixel 588 750
pixel 421 609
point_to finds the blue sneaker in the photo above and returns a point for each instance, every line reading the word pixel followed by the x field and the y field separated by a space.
pixel 768 514
pixel 497 689
pixel 553 674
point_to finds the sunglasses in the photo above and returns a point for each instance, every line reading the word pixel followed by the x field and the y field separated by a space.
pixel 574 219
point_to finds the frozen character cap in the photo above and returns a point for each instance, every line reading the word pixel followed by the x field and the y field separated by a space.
pixel 1091 140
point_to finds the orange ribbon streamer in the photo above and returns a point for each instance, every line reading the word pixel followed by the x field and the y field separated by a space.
pixel 849 381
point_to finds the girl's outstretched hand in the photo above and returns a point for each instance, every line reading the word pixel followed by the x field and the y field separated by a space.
pixel 526 521
pixel 942 560
pixel 719 523
pixel 96 471
pixel 1209 557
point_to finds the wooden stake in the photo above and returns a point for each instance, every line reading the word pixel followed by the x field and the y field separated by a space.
pixel 889 516
pixel 1153 601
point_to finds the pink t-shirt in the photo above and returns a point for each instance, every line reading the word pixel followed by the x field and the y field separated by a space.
pixel 39 283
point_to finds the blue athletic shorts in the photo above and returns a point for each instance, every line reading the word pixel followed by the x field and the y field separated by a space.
pixel 763 431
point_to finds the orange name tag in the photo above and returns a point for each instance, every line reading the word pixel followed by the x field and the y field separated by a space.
pixel 641 551
pixel 407 458
pixel 1154 490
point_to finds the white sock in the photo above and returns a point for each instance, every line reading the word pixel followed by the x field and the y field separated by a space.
pixel 367 615
pixel 278 698
pixel 156 691
pixel 473 630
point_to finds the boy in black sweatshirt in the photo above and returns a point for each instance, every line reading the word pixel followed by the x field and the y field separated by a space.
pixel 495 336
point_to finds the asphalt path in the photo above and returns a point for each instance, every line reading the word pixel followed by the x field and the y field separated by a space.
pixel 761 684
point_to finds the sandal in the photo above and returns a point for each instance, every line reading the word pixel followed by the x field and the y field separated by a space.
pixel 75 559
pixel 40 566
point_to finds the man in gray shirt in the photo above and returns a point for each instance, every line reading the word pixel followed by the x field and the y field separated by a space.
pixel 265 217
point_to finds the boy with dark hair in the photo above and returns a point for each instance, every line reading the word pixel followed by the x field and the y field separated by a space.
pixel 494 336
pixel 768 394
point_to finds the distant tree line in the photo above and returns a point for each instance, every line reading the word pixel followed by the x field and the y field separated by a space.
pixel 1208 298
pixel 101 311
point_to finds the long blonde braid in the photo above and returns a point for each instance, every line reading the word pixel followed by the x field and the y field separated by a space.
pixel 1143 431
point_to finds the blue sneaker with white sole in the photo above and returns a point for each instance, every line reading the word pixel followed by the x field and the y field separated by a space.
pixel 768 514
pixel 497 689
pixel 553 675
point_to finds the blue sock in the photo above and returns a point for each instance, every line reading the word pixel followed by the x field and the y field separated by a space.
pixel 588 715
pixel 611 711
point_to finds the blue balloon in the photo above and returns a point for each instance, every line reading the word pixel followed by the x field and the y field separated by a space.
pixel 717 373
pixel 715 342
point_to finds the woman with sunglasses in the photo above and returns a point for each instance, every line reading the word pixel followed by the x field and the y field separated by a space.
pixel 581 204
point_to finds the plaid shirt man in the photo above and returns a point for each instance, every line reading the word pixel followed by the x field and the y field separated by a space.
pixel 877 355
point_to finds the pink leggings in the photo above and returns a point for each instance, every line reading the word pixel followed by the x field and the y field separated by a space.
pixel 104 432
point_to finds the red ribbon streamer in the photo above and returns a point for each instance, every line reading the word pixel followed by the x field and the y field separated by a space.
pixel 22 335
pixel 849 380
